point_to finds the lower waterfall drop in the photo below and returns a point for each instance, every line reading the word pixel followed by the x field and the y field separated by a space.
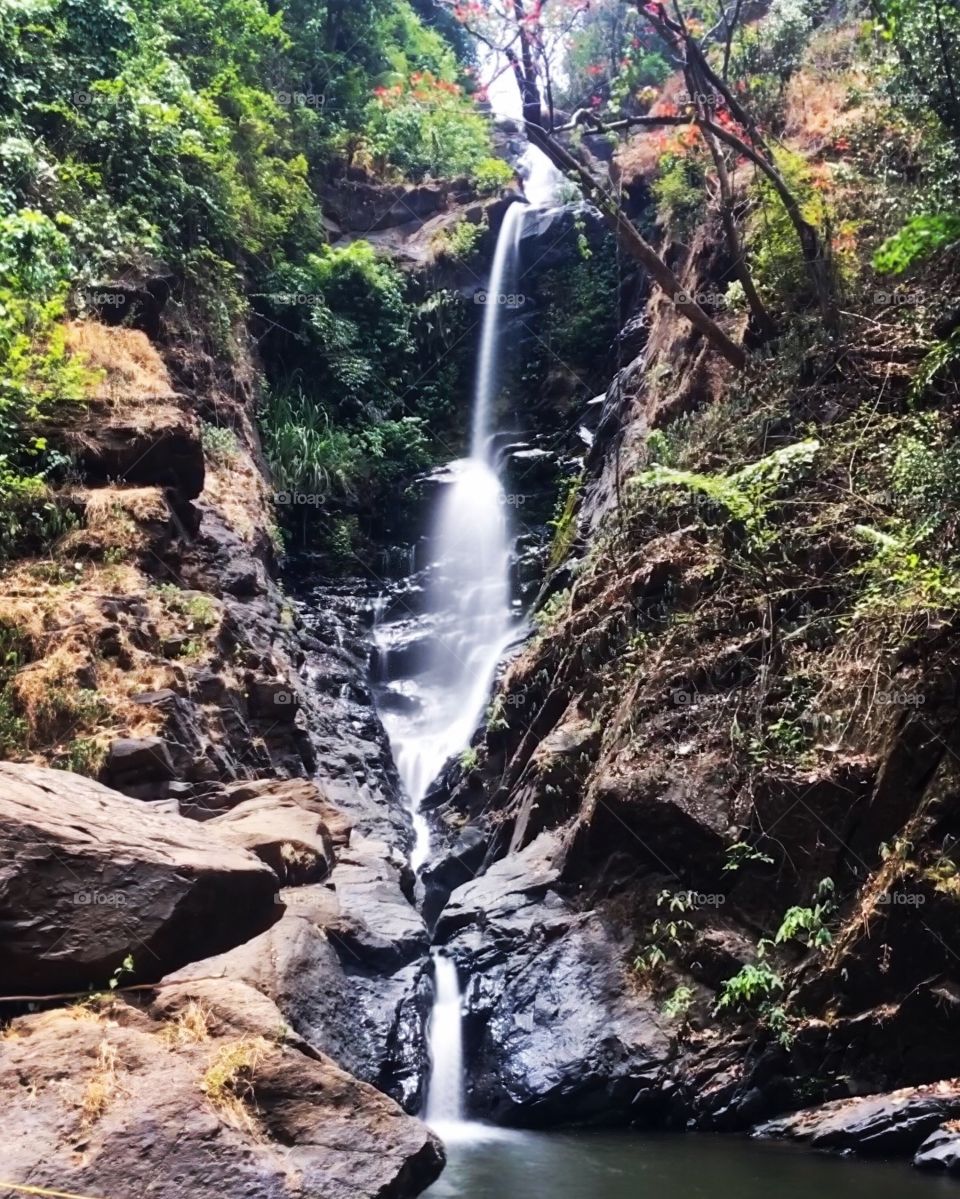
pixel 445 1093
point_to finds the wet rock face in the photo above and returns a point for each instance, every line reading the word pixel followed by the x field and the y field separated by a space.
pixel 203 1095
pixel 895 1124
pixel 940 1152
pixel 346 956
pixel 353 764
pixel 88 876
pixel 554 1033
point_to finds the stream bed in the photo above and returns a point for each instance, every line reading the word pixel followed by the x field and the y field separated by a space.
pixel 506 1164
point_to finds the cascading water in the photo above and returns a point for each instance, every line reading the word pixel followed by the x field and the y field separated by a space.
pixel 467 624
pixel 445 1096
pixel 468 602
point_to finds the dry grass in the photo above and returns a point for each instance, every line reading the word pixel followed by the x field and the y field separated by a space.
pixel 132 369
pixel 228 1081
pixel 239 493
pixel 113 521
pixel 102 1086
pixel 76 668
pixel 189 1026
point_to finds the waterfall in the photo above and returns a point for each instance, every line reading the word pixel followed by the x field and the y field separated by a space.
pixel 466 626
pixel 445 1095
pixel 501 297
pixel 468 599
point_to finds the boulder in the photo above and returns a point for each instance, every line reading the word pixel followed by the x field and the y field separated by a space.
pixel 890 1125
pixel 293 841
pixel 940 1151
pixel 555 1032
pixel 132 761
pixel 339 964
pixel 205 1095
pixel 157 443
pixel 377 927
pixel 89 876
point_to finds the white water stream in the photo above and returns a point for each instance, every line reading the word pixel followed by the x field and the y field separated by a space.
pixel 468 614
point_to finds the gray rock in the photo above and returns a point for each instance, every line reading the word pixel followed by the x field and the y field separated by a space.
pixel 134 760
pixel 89 876
pixel 204 1096
pixel 940 1152
pixel 890 1125
pixel 293 841
pixel 555 1032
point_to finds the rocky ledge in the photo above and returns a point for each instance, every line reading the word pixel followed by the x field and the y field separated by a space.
pixel 231 1075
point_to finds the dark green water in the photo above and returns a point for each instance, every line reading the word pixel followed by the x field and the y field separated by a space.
pixel 521 1165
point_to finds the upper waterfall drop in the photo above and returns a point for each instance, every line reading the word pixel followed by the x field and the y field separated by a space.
pixel 500 297
pixel 467 622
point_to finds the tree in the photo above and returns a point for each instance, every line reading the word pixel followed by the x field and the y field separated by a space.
pixel 525 33
pixel 519 30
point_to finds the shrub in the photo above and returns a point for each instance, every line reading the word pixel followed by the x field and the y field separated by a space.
pixel 220 444
pixel 427 126
pixel 679 190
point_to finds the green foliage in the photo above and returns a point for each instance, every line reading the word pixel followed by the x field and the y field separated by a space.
pixel 220 443
pixel 576 325
pixel 189 131
pixel 766 54
pixel 740 853
pixel 38 373
pixel 808 925
pixel 678 1003
pixel 922 236
pixel 750 988
pixel 552 610
pixel 469 759
pixel 926 37
pixel 745 495
pixel 914 561
pixel 564 523
pixel 125 968
pixel 426 126
pixel 311 456
pixel 680 191
pixel 665 939
pixel 776 260
pixel 461 241
pixel 491 174
pixel 201 610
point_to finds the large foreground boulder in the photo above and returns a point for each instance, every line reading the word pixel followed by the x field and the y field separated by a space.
pixel 89 877
pixel 339 963
pixel 207 1094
